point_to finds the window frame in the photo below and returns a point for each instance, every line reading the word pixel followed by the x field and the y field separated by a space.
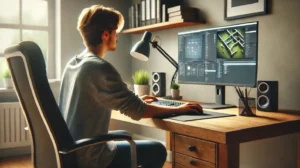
pixel 50 28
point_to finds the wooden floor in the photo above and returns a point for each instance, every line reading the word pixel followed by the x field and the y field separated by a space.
pixel 16 162
pixel 25 162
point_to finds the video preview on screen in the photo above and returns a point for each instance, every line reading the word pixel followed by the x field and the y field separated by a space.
pixel 230 43
pixel 219 56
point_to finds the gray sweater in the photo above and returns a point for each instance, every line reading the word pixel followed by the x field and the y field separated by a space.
pixel 91 87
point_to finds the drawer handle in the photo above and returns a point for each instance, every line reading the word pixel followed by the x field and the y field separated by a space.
pixel 192 162
pixel 192 148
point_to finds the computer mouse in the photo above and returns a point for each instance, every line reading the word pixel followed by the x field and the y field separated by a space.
pixel 194 113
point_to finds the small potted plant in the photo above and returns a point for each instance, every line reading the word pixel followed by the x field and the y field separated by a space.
pixel 141 82
pixel 175 90
pixel 7 79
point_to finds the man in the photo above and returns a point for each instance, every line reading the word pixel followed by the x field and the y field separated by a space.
pixel 92 87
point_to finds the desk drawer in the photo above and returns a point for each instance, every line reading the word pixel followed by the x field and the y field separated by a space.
pixel 196 148
pixel 189 162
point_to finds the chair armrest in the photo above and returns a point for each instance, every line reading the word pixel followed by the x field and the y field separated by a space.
pixel 86 142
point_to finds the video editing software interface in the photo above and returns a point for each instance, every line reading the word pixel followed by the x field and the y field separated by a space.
pixel 219 56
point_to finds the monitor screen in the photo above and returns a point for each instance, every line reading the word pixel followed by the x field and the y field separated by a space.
pixel 219 56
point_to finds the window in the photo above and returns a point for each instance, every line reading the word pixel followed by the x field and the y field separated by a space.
pixel 28 20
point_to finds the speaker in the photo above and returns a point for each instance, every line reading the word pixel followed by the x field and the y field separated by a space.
pixel 267 95
pixel 158 87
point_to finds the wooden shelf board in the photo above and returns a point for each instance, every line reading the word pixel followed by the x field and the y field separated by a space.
pixel 160 26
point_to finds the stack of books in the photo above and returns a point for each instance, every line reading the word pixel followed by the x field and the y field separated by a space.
pixel 184 14
pixel 148 12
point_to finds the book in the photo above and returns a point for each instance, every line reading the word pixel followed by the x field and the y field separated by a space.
pixel 132 17
pixel 180 8
pixel 158 11
pixel 189 12
pixel 153 12
pixel 143 13
pixel 129 16
pixel 162 7
pixel 184 18
pixel 137 13
pixel 148 12
pixel 163 13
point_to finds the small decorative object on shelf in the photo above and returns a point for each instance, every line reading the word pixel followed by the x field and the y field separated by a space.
pixel 141 82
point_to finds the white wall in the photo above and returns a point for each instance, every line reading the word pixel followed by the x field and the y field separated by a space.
pixel 72 44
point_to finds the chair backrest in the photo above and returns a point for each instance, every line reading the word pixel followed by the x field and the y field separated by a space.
pixel 49 131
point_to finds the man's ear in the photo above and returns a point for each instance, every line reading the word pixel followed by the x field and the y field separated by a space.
pixel 105 35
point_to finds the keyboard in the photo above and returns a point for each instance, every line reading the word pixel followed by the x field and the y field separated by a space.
pixel 187 116
pixel 170 103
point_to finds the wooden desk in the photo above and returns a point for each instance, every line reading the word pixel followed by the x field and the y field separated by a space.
pixel 217 140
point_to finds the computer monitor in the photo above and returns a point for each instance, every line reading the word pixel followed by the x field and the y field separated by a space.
pixel 221 56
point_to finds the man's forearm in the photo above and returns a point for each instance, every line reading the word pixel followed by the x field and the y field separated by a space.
pixel 155 111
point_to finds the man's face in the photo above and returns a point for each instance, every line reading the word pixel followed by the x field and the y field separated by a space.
pixel 112 41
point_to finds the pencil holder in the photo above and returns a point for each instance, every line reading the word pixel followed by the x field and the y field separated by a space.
pixel 251 111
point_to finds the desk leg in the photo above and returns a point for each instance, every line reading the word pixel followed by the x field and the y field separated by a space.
pixel 168 140
pixel 228 155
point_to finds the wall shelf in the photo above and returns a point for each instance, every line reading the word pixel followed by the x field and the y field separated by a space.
pixel 160 26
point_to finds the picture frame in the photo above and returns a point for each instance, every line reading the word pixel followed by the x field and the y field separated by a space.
pixel 235 9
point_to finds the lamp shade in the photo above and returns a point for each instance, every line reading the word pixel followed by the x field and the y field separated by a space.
pixel 141 50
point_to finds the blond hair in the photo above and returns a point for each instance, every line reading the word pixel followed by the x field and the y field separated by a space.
pixel 93 21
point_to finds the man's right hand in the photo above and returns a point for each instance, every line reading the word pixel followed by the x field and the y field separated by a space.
pixel 157 111
pixel 190 108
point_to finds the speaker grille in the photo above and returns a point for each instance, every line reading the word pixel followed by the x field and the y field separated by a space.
pixel 267 95
pixel 263 87
pixel 263 101
pixel 158 84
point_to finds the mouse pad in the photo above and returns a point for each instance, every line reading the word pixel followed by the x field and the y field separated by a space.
pixel 205 115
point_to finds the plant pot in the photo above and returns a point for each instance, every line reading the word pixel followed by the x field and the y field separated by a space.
pixel 8 83
pixel 175 93
pixel 141 90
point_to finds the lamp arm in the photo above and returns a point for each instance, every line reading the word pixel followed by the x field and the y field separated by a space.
pixel 164 53
pixel 172 61
pixel 168 57
pixel 174 77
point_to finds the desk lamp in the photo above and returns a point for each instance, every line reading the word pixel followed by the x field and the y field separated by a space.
pixel 141 51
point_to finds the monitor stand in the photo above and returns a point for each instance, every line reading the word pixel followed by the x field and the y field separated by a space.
pixel 220 100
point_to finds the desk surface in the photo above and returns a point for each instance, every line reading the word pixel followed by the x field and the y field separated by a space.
pixel 226 130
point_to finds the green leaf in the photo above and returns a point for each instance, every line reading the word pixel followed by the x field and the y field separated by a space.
pixel 175 86
pixel 6 74
pixel 141 77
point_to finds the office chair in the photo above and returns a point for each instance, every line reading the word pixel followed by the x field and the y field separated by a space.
pixel 52 143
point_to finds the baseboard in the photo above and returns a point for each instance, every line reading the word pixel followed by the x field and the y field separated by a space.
pixel 140 137
pixel 19 151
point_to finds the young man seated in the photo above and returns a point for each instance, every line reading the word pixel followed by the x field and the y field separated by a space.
pixel 91 88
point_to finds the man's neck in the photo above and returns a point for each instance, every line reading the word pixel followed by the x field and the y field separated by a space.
pixel 99 50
